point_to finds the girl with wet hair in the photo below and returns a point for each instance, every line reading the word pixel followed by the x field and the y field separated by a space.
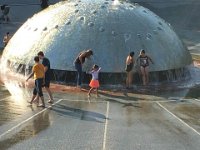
pixel 129 67
pixel 144 66
pixel 79 61
pixel 94 83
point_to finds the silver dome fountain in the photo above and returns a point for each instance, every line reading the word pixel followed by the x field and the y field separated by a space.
pixel 110 28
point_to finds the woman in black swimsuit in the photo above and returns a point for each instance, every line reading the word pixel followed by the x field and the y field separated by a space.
pixel 129 67
pixel 79 61
pixel 144 66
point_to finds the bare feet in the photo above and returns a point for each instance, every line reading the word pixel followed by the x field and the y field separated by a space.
pixel 30 103
pixel 36 101
pixel 50 101
pixel 78 87
pixel 41 105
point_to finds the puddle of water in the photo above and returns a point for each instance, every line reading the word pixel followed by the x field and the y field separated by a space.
pixel 194 92
pixel 3 92
pixel 187 111
pixel 38 124
pixel 10 110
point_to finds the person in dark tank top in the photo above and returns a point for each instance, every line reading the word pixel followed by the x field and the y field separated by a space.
pixel 129 67
pixel 79 61
pixel 144 66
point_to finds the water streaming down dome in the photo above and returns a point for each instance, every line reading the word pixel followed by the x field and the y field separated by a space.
pixel 110 28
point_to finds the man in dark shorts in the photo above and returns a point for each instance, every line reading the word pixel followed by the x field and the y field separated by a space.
pixel 47 69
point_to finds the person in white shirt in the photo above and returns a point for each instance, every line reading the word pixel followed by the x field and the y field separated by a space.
pixel 94 83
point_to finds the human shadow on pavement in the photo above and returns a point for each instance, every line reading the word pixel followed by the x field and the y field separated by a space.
pixel 126 102
pixel 78 113
pixel 125 97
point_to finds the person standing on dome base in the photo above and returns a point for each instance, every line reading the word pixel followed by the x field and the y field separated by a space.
pixel 5 11
pixel 79 61
pixel 129 69
pixel 6 39
pixel 144 66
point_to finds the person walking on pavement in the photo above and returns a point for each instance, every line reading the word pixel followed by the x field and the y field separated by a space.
pixel 47 70
pixel 38 73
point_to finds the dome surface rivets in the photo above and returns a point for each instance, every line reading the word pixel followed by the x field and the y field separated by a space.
pixel 155 32
pixel 94 12
pixel 101 29
pixel 68 23
pixel 159 28
pixel 113 33
pixel 90 24
pixel 82 18
pixel 160 23
pixel 106 27
pixel 144 11
pixel 149 36
pixel 45 29
pixel 102 6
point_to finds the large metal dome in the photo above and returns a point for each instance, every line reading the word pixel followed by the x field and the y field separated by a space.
pixel 109 27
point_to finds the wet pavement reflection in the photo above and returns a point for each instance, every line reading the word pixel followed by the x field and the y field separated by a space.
pixel 38 124
pixel 115 116
pixel 188 111
pixel 75 111
pixel 10 110
pixel 3 93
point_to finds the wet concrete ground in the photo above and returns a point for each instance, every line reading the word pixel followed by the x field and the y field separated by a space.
pixel 122 120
